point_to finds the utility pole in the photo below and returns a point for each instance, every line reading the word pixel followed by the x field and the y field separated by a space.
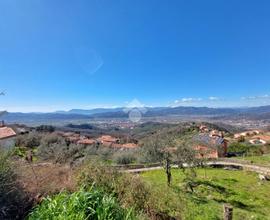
pixel 2 112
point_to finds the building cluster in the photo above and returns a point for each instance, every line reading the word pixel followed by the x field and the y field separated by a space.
pixel 247 134
pixel 255 137
pixel 104 140
pixel 210 143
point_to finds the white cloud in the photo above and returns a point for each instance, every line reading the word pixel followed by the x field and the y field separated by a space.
pixel 191 99
pixel 266 96
pixel 213 98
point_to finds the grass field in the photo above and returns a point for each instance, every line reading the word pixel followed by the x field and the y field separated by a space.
pixel 260 160
pixel 249 197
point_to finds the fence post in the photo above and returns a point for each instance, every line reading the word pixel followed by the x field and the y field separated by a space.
pixel 228 212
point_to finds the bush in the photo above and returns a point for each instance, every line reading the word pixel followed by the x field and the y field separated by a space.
pixel 14 202
pixel 93 204
pixel 51 139
pixel 45 128
pixel 28 141
pixel 129 189
pixel 125 158
pixel 247 149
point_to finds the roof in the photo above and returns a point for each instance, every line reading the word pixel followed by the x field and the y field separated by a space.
pixel 6 132
pixel 107 138
pixel 262 137
pixel 247 133
pixel 114 145
pixel 208 140
pixel 86 141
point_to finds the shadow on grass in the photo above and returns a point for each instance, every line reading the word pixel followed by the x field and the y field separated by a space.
pixel 230 180
pixel 215 187
pixel 226 193
pixel 216 192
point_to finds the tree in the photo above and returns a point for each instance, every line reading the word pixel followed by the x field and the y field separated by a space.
pixel 241 139
pixel 168 148
pixel 45 128
pixel 187 161
pixel 158 148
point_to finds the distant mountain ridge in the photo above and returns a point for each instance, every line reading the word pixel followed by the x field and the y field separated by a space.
pixel 181 110
pixel 200 111
pixel 261 112
pixel 93 111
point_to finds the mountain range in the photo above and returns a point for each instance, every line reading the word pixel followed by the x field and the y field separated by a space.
pixel 262 112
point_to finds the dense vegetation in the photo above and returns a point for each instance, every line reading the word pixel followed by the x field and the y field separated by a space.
pixel 14 202
pixel 246 149
pixel 81 205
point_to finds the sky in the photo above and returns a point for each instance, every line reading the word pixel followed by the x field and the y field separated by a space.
pixel 59 55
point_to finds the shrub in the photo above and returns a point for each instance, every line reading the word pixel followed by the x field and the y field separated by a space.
pixel 51 139
pixel 125 158
pixel 14 202
pixel 238 147
pixel 45 128
pixel 247 149
pixel 29 141
pixel 129 189
pixel 93 204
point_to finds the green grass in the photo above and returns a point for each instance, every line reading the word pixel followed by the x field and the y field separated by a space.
pixel 260 160
pixel 93 204
pixel 249 197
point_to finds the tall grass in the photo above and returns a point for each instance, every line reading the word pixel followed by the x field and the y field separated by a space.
pixel 84 204
pixel 130 190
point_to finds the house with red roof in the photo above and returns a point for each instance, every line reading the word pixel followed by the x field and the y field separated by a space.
pixel 7 135
pixel 208 146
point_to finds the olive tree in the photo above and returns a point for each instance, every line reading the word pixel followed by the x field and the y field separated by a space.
pixel 157 148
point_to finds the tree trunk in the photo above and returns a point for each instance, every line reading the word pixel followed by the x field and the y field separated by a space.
pixel 168 171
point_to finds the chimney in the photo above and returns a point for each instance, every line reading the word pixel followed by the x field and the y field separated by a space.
pixel 2 124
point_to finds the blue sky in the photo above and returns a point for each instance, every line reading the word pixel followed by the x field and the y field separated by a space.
pixel 58 54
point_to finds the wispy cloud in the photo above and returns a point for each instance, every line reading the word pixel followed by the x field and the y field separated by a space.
pixel 266 96
pixel 191 99
pixel 185 101
pixel 213 98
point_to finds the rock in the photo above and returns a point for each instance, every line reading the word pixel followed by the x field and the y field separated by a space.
pixel 264 177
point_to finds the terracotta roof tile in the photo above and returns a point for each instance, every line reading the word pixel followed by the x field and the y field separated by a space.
pixel 86 141
pixel 6 132
pixel 107 138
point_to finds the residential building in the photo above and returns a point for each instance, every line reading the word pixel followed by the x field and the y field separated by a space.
pixel 7 135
